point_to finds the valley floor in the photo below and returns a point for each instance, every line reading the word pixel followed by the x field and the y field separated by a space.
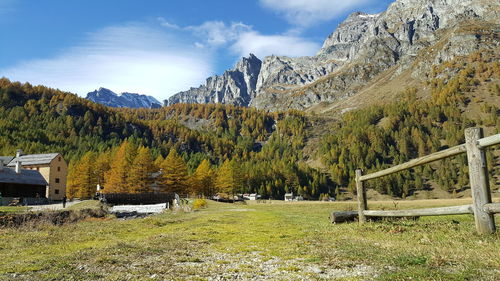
pixel 255 241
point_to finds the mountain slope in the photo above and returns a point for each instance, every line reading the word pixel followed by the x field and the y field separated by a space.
pixel 264 147
pixel 107 97
pixel 364 47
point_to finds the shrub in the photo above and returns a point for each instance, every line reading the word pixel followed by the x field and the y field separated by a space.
pixel 199 204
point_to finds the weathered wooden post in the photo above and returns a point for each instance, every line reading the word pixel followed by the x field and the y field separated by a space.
pixel 362 204
pixel 478 175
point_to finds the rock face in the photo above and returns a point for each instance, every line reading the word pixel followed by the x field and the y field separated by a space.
pixel 109 98
pixel 362 47
pixel 235 86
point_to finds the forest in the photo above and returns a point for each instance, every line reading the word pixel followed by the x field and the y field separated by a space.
pixel 203 150
pixel 243 149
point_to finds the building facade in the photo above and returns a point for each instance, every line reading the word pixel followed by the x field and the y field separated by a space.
pixel 51 166
pixel 20 183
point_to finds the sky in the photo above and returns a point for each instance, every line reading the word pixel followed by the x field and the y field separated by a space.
pixel 157 47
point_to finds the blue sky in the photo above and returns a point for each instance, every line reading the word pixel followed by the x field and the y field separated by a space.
pixel 156 47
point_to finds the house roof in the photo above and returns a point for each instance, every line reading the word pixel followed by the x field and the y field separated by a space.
pixel 8 175
pixel 6 159
pixel 33 159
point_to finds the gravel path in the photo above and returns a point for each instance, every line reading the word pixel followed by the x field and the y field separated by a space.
pixel 215 266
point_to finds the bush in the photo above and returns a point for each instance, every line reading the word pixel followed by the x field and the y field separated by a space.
pixel 31 220
pixel 199 204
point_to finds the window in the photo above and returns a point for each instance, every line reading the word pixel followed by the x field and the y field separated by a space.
pixel 56 191
pixel 57 180
pixel 59 159
pixel 37 168
pixel 58 169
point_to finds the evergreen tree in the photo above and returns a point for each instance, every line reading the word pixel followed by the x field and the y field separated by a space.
pixel 83 180
pixel 101 166
pixel 174 174
pixel 71 186
pixel 140 179
pixel 158 162
pixel 117 177
pixel 203 179
pixel 228 179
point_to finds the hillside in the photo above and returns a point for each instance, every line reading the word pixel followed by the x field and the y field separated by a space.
pixel 265 146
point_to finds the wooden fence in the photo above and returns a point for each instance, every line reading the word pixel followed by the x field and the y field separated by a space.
pixel 482 207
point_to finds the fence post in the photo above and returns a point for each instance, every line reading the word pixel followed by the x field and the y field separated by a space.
pixel 362 204
pixel 478 175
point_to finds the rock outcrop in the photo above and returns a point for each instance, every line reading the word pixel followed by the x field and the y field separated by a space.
pixel 237 86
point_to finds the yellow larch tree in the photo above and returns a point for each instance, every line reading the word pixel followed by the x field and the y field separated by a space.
pixel 228 178
pixel 117 177
pixel 203 179
pixel 174 174
pixel 71 188
pixel 82 179
pixel 158 162
pixel 140 179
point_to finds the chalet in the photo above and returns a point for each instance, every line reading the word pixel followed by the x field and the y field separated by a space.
pixel 51 166
pixel 21 183
pixel 288 196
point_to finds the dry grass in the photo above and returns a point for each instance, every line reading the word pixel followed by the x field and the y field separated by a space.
pixel 256 241
pixel 12 209
pixel 88 204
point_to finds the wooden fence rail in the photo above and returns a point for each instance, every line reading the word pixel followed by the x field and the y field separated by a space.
pixel 482 207
pixel 456 150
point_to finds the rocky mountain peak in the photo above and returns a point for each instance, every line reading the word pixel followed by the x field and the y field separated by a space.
pixel 132 100
pixel 343 43
pixel 102 92
pixel 236 86
pixel 362 47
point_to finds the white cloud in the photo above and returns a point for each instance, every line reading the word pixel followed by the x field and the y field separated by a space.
pixel 131 58
pixel 242 40
pixel 165 23
pixel 263 45
pixel 217 33
pixel 308 12
pixel 153 61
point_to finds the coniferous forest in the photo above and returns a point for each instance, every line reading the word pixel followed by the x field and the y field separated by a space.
pixel 209 149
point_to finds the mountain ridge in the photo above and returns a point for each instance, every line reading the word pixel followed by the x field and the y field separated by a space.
pixel 356 52
pixel 131 100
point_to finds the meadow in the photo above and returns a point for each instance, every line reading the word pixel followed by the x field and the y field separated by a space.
pixel 254 241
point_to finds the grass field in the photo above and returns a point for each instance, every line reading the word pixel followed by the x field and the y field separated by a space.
pixel 12 209
pixel 265 241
